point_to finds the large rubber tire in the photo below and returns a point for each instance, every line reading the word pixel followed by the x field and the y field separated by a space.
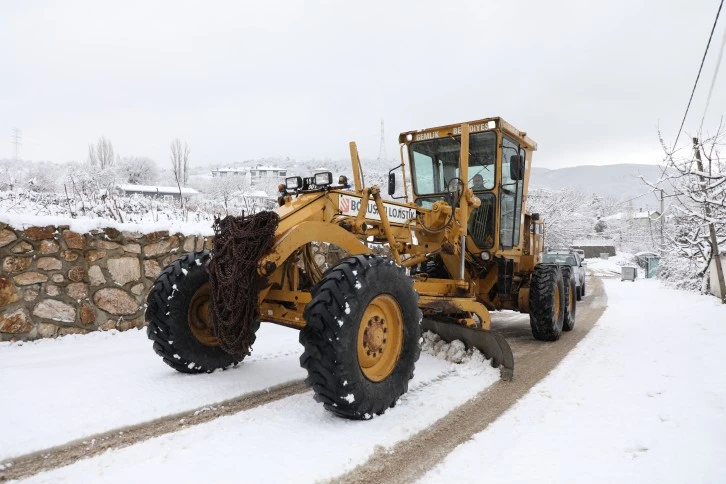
pixel 568 321
pixel 546 309
pixel 334 327
pixel 168 315
pixel 582 290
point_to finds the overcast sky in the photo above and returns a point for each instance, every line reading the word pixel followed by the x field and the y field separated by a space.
pixel 590 81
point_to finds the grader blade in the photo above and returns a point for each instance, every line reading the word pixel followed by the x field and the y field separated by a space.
pixel 492 345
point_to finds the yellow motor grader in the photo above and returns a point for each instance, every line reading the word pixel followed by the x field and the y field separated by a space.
pixel 441 258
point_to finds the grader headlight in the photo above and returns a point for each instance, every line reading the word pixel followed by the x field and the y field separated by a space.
pixel 293 183
pixel 323 179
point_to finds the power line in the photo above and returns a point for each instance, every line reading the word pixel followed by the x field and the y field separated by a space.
pixel 703 60
pixel 713 81
pixel 634 198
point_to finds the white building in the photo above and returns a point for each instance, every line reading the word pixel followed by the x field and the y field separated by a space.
pixel 221 172
pixel 642 218
pixel 267 173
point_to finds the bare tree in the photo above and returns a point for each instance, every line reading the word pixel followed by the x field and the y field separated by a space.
pixel 229 188
pixel 101 154
pixel 180 165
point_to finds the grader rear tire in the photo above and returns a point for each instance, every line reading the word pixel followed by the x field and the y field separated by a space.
pixel 361 337
pixel 568 322
pixel 546 303
pixel 178 317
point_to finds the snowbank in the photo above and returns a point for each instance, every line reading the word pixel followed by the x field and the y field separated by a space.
pixel 85 225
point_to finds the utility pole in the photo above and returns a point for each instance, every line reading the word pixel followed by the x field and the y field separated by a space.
pixel 662 216
pixel 711 229
pixel 17 141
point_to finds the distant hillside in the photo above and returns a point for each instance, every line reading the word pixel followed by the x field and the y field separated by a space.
pixel 619 181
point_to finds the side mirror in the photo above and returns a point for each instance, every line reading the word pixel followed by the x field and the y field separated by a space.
pixel 516 167
pixel 391 183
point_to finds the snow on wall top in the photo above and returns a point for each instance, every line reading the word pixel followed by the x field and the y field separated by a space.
pixel 85 225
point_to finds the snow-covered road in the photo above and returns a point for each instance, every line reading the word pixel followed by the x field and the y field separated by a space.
pixel 641 399
pixel 56 391
pixel 92 383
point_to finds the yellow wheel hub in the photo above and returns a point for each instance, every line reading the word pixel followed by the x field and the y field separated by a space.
pixel 557 301
pixel 572 298
pixel 380 338
pixel 199 320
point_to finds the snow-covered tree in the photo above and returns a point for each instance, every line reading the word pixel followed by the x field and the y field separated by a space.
pixel 137 170
pixel 42 177
pixel 228 189
pixel 564 213
pixel 698 183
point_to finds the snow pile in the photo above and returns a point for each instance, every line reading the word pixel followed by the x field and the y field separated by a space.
pixel 454 352
pixel 680 272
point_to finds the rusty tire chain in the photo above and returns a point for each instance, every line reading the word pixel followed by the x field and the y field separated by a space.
pixel 239 244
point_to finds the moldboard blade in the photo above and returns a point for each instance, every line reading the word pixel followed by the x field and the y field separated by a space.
pixel 491 344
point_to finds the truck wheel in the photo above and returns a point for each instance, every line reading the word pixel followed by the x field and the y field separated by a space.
pixel 582 290
pixel 179 322
pixel 546 302
pixel 362 337
pixel 568 322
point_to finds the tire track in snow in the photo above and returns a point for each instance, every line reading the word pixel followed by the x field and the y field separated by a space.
pixel 89 446
pixel 273 356
pixel 410 459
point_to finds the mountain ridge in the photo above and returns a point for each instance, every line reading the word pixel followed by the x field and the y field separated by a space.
pixel 620 181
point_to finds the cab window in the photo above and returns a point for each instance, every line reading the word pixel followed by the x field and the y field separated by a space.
pixel 510 197
pixel 436 162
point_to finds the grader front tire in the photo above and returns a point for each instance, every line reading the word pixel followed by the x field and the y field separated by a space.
pixel 179 324
pixel 361 337
pixel 546 303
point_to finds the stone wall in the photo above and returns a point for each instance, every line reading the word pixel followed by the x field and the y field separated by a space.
pixel 54 281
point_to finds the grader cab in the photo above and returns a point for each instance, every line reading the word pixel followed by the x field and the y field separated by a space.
pixel 439 258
